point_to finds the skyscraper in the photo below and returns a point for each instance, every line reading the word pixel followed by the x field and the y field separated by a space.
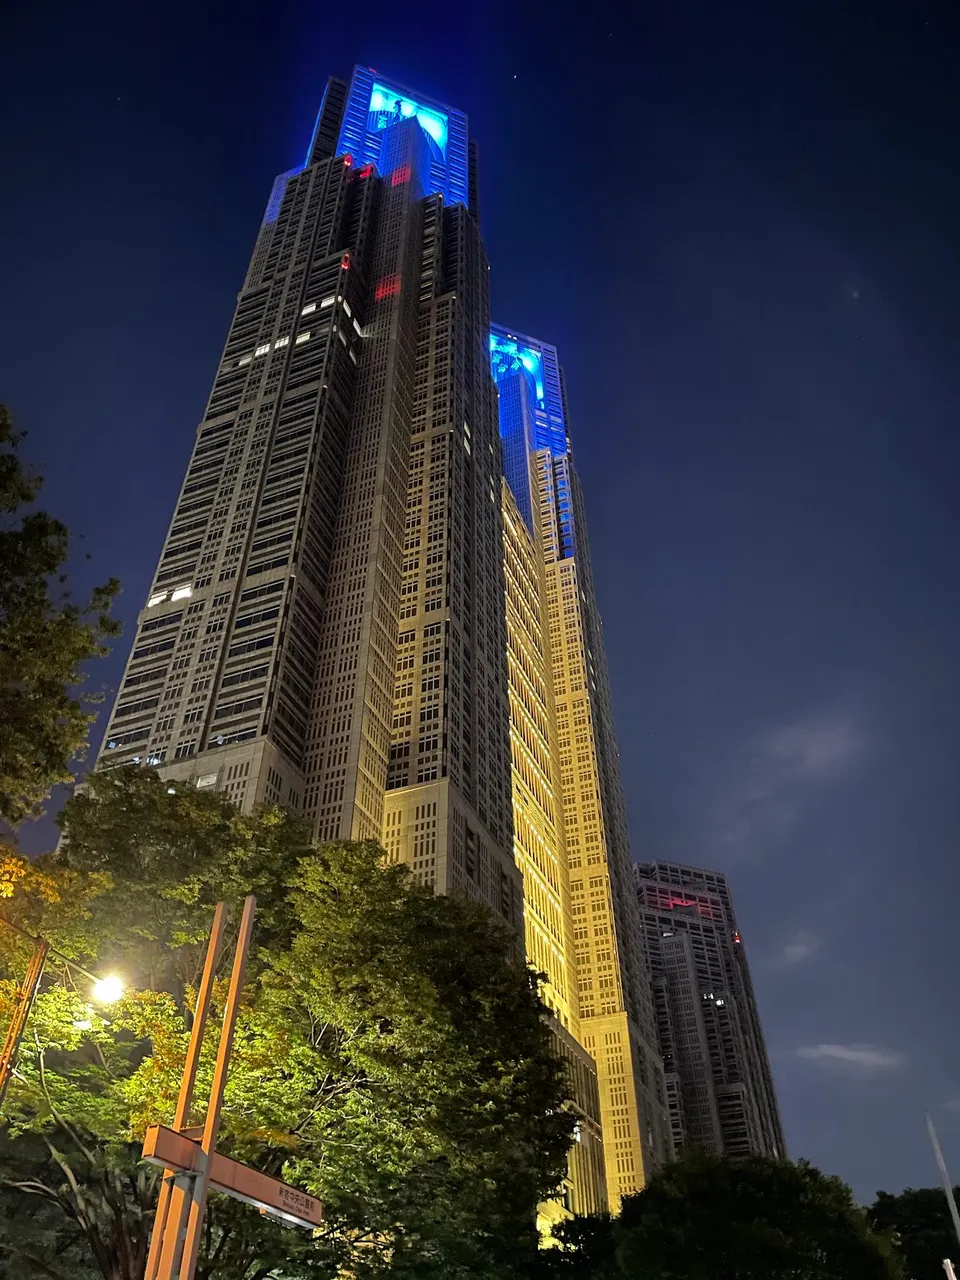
pixel 353 617
pixel 718 1077
pixel 616 1015
pixel 326 623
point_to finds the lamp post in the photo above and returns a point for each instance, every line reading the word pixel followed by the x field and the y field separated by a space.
pixel 106 990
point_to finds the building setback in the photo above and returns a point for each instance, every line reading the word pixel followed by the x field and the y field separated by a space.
pixel 718 1079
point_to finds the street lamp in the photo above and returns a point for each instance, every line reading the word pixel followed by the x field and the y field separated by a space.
pixel 108 990
pixel 105 990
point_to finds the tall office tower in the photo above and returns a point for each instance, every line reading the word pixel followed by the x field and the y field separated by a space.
pixel 719 1085
pixel 326 625
pixel 616 1016
pixel 539 848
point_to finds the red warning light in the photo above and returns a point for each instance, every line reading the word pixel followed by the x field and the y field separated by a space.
pixel 348 159
pixel 345 262
pixel 366 171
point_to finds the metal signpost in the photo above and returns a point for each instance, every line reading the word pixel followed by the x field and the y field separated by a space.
pixel 191 1163
pixel 21 1011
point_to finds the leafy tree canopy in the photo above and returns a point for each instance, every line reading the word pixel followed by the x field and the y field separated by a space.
pixel 391 1055
pixel 706 1218
pixel 921 1225
pixel 45 640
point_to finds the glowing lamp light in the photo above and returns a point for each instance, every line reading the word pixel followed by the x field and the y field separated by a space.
pixel 108 990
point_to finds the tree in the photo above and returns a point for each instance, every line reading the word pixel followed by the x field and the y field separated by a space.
pixel 586 1249
pixel 753 1219
pixel 44 643
pixel 921 1225
pixel 391 1054
pixel 708 1218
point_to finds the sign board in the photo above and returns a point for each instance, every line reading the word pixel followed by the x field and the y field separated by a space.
pixel 180 1151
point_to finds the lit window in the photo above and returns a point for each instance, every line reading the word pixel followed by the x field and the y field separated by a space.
pixel 262 349
pixel 303 337
pixel 328 302
pixel 310 307
pixel 181 593
pixel 244 360
pixel 157 599
pixel 281 342
pixel 357 327
pixel 346 307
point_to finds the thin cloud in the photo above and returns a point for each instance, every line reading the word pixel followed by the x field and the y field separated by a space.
pixel 779 774
pixel 857 1058
pixel 800 948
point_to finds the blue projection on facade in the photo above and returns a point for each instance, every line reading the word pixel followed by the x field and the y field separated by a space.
pixel 532 418
pixel 511 352
pixel 388 107
pixel 375 103
pixel 508 356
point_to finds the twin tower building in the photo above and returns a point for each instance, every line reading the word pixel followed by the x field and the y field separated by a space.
pixel 374 603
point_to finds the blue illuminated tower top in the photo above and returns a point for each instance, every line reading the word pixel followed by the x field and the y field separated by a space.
pixel 532 419
pixel 512 352
pixel 354 119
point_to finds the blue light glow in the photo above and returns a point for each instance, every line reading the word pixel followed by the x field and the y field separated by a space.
pixel 387 107
pixel 508 356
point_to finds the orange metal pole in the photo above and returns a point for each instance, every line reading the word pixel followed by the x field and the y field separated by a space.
pixel 191 1245
pixel 161 1221
pixel 18 1021
pixel 188 1195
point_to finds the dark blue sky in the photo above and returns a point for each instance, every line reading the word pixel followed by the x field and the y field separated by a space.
pixel 741 226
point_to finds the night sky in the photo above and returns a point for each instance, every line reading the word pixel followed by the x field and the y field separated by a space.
pixel 740 224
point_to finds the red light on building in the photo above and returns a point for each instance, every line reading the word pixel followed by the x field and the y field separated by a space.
pixel 345 262
pixel 348 159
pixel 366 171
pixel 400 176
pixel 387 287
pixel 736 936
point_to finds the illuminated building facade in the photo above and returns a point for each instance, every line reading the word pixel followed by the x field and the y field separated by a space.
pixel 539 850
pixel 341 621
pixel 616 1017
pixel 326 626
pixel 719 1085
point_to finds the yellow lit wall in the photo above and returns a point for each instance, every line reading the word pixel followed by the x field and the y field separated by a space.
pixel 615 1003
pixel 540 855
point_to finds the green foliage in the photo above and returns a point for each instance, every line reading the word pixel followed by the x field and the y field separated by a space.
pixel 44 643
pixel 706 1218
pixel 920 1222
pixel 390 1056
